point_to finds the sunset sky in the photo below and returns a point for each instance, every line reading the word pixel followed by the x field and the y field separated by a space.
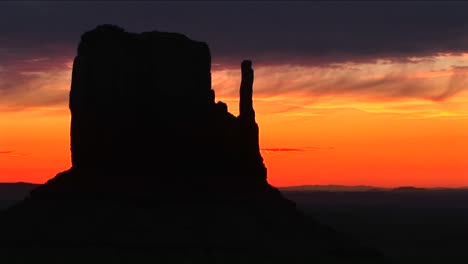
pixel 345 93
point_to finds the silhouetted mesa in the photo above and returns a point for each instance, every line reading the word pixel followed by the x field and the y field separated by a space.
pixel 162 171
pixel 143 103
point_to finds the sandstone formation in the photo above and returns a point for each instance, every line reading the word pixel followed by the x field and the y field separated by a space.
pixel 161 171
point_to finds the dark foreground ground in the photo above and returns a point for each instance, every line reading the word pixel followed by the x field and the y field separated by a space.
pixel 414 226
pixel 424 226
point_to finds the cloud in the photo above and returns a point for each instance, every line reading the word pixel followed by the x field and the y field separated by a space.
pixel 283 150
pixel 9 153
pixel 27 82
pixel 311 48
pixel 274 150
pixel 309 33
pixel 382 81
pixel 458 82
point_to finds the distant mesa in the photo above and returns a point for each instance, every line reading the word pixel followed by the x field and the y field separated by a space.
pixel 161 171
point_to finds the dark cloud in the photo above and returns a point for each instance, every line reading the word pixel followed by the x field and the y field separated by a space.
pixel 5 151
pixel 297 32
pixel 40 37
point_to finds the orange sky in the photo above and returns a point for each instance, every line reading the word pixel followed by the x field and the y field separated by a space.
pixel 382 123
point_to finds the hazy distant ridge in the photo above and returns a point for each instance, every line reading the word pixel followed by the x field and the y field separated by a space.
pixel 16 190
pixel 359 188
pixel 333 188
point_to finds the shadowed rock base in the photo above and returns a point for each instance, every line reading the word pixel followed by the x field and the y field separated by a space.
pixel 161 173
pixel 141 231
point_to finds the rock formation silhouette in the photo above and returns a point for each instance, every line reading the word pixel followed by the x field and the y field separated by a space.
pixel 161 171
pixel 143 103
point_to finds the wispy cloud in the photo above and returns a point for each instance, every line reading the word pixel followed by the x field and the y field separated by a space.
pixel 283 150
pixel 10 153
pixel 28 82
pixel 443 78
pixel 274 150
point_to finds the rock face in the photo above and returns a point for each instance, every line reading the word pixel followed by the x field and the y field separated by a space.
pixel 161 171
pixel 134 93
